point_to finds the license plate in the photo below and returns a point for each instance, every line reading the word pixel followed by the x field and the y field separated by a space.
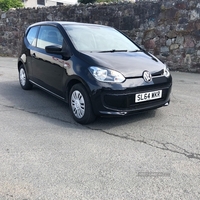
pixel 147 96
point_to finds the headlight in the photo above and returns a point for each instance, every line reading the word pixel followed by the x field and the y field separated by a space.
pixel 106 75
pixel 166 72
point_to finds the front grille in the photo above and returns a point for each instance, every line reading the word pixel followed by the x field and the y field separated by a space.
pixel 127 101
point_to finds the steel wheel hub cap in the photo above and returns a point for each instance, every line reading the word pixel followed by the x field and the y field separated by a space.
pixel 22 77
pixel 78 104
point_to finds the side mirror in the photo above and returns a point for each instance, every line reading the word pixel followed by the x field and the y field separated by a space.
pixel 57 50
pixel 53 49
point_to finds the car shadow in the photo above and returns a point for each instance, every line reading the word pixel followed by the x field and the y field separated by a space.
pixel 37 101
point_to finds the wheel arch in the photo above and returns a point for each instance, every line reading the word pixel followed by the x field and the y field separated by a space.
pixel 72 82
pixel 23 77
pixel 19 64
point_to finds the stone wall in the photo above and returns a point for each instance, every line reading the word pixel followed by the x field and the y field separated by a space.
pixel 168 29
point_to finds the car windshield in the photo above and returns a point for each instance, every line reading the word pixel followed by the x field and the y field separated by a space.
pixel 96 38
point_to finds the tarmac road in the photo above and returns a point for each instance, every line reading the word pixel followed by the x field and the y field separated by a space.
pixel 45 155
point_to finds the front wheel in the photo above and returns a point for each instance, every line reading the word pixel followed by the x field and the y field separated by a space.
pixel 24 82
pixel 80 105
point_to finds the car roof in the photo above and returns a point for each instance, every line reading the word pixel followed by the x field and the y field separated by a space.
pixel 63 23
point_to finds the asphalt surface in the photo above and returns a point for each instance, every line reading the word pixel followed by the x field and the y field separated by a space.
pixel 45 155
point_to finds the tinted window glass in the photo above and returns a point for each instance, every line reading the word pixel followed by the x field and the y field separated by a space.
pixel 40 2
pixel 31 36
pixel 49 35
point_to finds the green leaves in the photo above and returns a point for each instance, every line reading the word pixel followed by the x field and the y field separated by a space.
pixel 7 4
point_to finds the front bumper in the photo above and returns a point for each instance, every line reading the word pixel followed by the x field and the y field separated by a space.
pixel 122 101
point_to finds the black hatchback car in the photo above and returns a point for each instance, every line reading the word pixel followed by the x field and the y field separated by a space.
pixel 96 69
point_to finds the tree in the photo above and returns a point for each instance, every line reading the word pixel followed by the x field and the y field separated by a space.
pixel 7 4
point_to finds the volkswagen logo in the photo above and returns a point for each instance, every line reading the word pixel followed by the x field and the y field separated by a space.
pixel 147 76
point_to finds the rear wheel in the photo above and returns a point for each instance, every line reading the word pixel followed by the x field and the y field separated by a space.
pixel 80 105
pixel 24 82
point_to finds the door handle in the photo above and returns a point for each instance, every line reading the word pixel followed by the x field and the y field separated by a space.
pixel 34 55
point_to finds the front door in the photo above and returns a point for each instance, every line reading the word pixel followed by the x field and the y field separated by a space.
pixel 48 69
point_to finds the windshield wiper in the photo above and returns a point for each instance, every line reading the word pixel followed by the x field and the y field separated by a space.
pixel 112 51
pixel 118 50
pixel 137 50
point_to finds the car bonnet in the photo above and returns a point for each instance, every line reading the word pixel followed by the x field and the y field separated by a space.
pixel 130 64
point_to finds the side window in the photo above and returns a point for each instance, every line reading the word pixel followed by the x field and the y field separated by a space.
pixel 49 35
pixel 41 2
pixel 32 34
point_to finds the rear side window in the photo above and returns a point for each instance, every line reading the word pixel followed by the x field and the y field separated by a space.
pixel 32 34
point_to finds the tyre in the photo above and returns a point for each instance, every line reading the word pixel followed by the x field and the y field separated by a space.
pixel 80 105
pixel 24 82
